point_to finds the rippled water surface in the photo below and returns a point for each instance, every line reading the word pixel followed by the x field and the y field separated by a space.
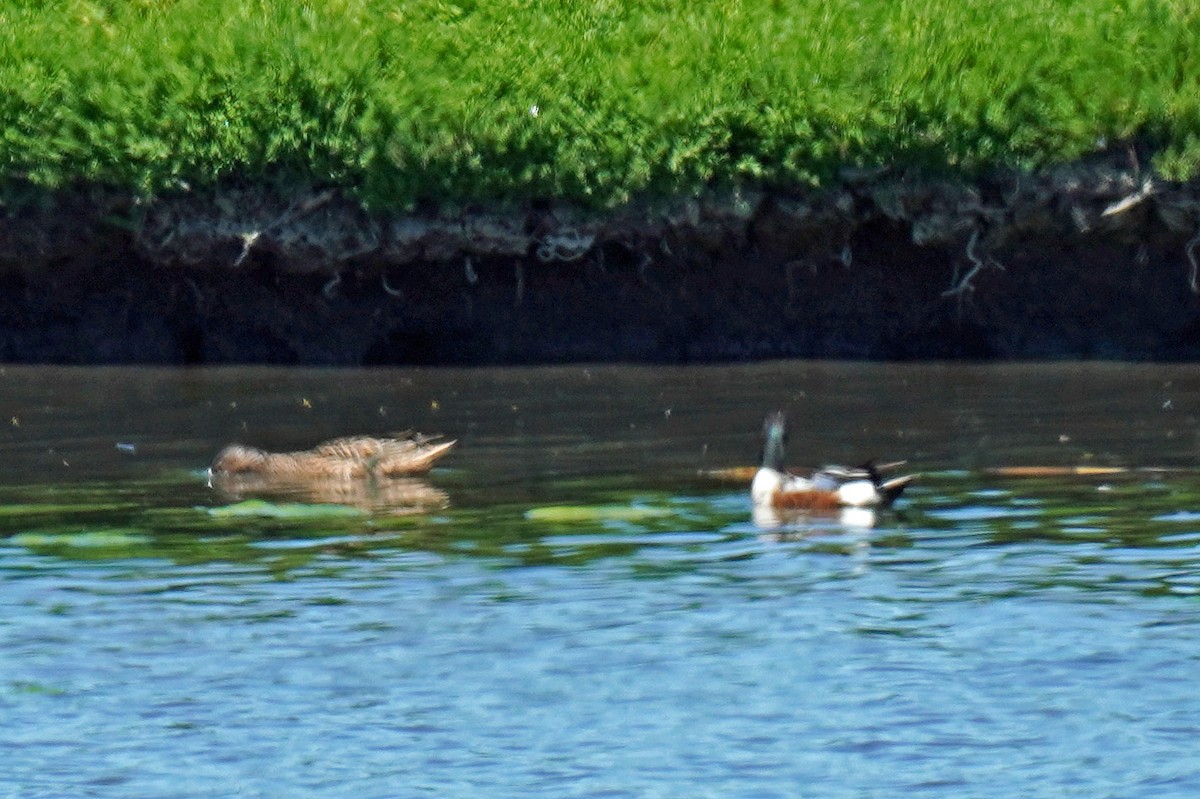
pixel 578 603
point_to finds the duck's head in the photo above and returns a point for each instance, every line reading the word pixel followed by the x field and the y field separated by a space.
pixel 774 441
pixel 238 459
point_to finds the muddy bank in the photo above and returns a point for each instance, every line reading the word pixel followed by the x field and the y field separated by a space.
pixel 1091 261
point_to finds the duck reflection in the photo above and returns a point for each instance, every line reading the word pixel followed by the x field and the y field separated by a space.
pixel 396 495
pixel 785 524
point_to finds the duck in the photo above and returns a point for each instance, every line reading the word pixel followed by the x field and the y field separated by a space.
pixel 346 458
pixel 827 488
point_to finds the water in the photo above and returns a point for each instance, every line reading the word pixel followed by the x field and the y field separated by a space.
pixel 590 615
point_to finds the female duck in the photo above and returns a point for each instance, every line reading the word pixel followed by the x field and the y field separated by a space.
pixel 825 489
pixel 339 459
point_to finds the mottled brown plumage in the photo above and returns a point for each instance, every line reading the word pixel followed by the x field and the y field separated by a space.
pixel 340 458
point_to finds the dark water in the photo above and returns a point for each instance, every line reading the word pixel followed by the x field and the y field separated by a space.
pixel 589 615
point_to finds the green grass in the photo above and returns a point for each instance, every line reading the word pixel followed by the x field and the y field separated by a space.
pixel 600 102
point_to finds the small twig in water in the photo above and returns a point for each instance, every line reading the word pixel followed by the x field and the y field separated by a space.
pixel 519 270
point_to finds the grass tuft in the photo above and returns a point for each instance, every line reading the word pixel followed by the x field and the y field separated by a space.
pixel 596 103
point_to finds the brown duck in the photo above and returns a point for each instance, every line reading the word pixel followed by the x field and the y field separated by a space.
pixel 339 458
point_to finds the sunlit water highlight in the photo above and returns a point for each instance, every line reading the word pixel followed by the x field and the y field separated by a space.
pixel 590 616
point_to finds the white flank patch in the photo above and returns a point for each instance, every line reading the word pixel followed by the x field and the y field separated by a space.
pixel 858 493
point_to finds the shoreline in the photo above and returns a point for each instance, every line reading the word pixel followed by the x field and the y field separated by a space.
pixel 1091 260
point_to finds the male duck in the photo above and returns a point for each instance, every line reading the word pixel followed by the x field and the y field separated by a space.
pixel 338 458
pixel 825 489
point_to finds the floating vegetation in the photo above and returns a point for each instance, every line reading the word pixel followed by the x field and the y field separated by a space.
pixel 578 521
pixel 26 509
pixel 596 513
pixel 264 509
pixel 89 539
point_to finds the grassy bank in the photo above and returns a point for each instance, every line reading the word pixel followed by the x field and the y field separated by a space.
pixel 594 102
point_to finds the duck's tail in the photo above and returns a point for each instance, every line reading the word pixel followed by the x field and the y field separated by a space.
pixel 890 490
pixel 399 461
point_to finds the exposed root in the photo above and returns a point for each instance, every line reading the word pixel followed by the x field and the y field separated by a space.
pixel 330 288
pixel 387 287
pixel 965 285
pixel 308 206
pixel 645 279
pixel 642 266
pixel 248 241
pixel 229 227
pixel 320 231
pixel 1132 200
pixel 790 306
pixel 831 274
pixel 1178 213
pixel 1194 275
pixel 197 295
pixel 1080 217
pixel 565 247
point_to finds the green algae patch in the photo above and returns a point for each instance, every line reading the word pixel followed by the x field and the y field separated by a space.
pixel 37 688
pixel 263 509
pixel 89 539
pixel 568 514
pixel 51 508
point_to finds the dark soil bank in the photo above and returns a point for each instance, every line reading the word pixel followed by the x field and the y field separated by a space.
pixel 1088 262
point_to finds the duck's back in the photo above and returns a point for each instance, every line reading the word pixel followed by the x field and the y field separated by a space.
pixel 355 447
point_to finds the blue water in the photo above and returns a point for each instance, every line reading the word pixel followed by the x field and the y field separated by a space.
pixel 996 637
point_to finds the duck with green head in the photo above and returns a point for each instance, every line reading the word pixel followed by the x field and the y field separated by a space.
pixel 824 489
